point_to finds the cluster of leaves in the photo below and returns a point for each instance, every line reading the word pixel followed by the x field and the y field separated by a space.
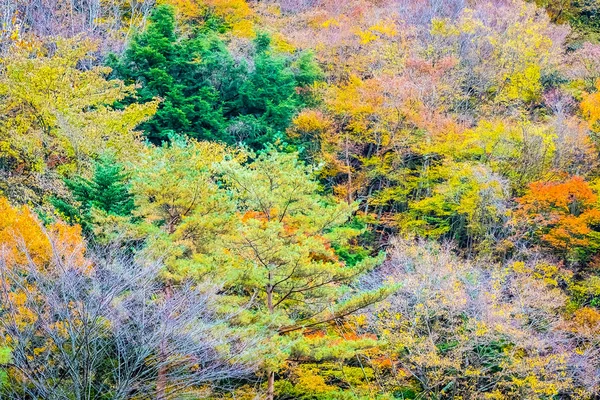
pixel 57 116
pixel 564 215
pixel 580 14
pixel 107 193
pixel 207 93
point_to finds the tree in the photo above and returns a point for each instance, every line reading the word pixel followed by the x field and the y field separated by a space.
pixel 57 116
pixel 179 72
pixel 181 210
pixel 284 247
pixel 101 328
pixel 469 207
pixel 107 192
pixel 206 93
pixel 23 239
pixel 563 216
pixel 459 329
pixel 262 229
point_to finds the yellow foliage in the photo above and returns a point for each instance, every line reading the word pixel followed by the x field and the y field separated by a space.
pixel 310 124
pixel 330 22
pixel 25 244
pixel 443 27
pixel 244 29
pixel 231 10
pixel 524 84
pixel 385 28
pixel 365 36
pixel 237 14
pixel 281 44
pixel 586 321
pixel 311 381
pixel 186 9
pixel 590 105
pixel 62 115
pixel 469 24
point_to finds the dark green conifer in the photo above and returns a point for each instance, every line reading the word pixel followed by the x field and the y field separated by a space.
pixel 107 191
pixel 207 94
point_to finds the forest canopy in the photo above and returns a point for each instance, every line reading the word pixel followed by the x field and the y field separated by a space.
pixel 299 199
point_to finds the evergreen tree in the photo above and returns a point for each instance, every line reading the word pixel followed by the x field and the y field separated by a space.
pixel 205 93
pixel 178 71
pixel 261 228
pixel 107 191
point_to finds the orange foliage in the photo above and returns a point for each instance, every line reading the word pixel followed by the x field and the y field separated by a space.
pixel 571 196
pixel 585 322
pixel 24 239
pixel 68 245
pixel 24 242
pixel 382 362
pixel 258 215
pixel 562 213
pixel 21 236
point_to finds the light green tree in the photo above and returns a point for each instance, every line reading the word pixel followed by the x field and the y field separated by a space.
pixel 258 225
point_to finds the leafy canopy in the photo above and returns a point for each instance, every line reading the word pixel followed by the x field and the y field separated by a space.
pixel 206 92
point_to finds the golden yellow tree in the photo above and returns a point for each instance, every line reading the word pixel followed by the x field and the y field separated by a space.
pixel 58 112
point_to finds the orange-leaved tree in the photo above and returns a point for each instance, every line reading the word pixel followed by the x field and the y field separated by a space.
pixel 563 216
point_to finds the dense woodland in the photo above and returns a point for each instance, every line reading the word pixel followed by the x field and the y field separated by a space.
pixel 299 199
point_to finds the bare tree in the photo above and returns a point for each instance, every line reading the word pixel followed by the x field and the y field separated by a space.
pixel 112 21
pixel 460 328
pixel 78 332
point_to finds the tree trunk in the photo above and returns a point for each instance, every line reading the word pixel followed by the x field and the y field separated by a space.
pixel 161 379
pixel 271 379
pixel 271 386
pixel 349 169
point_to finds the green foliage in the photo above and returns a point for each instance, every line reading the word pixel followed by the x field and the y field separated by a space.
pixel 206 93
pixel 258 225
pixel 107 191
pixel 582 15
pixel 5 358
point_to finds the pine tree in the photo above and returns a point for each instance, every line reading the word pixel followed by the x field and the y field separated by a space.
pixel 262 229
pixel 177 70
pixel 107 191
pixel 205 93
